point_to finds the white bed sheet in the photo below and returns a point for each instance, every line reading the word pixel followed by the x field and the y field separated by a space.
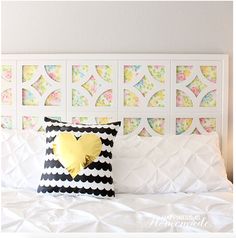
pixel 27 211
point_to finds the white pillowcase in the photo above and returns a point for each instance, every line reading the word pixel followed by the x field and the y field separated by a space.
pixel 21 158
pixel 183 163
pixel 175 163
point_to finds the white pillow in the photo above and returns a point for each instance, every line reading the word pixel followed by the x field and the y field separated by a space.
pixel 21 158
pixel 175 163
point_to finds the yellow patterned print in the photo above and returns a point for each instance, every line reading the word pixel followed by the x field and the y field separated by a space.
pixel 29 122
pixel 182 99
pixel 102 120
pixel 6 72
pixel 144 133
pixel 130 99
pixel 157 72
pixel 28 98
pixel 157 100
pixel 54 72
pixel 183 72
pixel 209 124
pixel 209 72
pixel 182 125
pixel 105 99
pixel 104 71
pixel 196 86
pixel 130 124
pixel 6 97
pixel 53 99
pixel 28 72
pixel 78 99
pixel 79 73
pixel 196 132
pixel 91 85
pixel 157 124
pixel 41 85
pixel 41 129
pixel 144 86
pixel 209 100
pixel 131 72
pixel 80 120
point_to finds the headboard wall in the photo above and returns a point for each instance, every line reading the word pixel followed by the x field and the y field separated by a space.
pixel 152 94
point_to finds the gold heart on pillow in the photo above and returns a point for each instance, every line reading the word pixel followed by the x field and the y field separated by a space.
pixel 75 154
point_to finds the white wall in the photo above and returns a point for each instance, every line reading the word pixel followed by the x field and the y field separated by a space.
pixel 120 27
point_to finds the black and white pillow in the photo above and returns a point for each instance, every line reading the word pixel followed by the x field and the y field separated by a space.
pixel 95 179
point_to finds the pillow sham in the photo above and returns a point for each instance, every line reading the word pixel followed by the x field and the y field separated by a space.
pixel 21 158
pixel 78 159
pixel 175 163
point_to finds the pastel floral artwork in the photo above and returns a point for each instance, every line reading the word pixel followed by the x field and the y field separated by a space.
pixel 41 85
pixel 183 72
pixel 54 72
pixel 53 99
pixel 130 99
pixel 28 98
pixel 131 72
pixel 196 132
pixel 6 72
pixel 130 124
pixel 91 85
pixel 78 99
pixel 6 97
pixel 105 99
pixel 79 73
pixel 33 93
pixel 157 124
pixel 158 99
pixel 80 120
pixel 144 86
pixel 41 129
pixel 209 72
pixel 105 72
pixel 196 86
pixel 209 100
pixel 144 133
pixel 29 122
pixel 6 122
pixel 158 72
pixel 103 120
pixel 209 124
pixel 28 72
pixel 182 99
pixel 182 125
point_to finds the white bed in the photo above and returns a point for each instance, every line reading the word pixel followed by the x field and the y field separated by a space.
pixel 27 211
pixel 159 188
pixel 24 210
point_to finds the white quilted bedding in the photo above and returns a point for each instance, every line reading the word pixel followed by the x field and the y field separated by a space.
pixel 27 211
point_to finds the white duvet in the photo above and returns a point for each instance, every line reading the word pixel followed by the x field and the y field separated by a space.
pixel 27 211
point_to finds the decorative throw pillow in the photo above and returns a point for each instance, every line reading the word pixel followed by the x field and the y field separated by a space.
pixel 78 159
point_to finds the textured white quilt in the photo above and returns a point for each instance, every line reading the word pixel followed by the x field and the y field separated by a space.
pixel 27 211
